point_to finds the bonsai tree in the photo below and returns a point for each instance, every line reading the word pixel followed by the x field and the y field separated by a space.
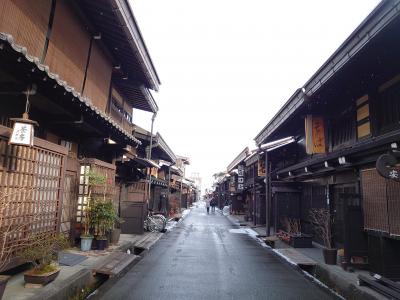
pixel 321 220
pixel 42 252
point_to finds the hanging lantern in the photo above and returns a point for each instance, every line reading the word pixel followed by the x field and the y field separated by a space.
pixel 23 131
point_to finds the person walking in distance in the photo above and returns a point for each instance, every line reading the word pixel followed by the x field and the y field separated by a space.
pixel 213 203
pixel 208 205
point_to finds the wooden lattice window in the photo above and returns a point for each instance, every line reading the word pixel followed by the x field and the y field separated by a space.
pixel 30 191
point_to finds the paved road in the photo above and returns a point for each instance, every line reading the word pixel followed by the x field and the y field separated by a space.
pixel 203 259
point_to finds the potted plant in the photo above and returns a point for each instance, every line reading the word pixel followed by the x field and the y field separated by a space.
pixel 93 179
pixel 321 220
pixel 103 218
pixel 116 230
pixel 42 253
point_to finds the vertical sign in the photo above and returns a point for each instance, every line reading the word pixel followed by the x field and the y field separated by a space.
pixel 261 167
pixel 318 135
pixel 240 186
pixel 315 134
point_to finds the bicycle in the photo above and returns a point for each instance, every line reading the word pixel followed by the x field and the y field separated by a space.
pixel 155 222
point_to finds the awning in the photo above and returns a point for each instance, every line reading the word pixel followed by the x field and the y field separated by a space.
pixel 159 182
pixel 238 159
pixel 146 162
pixel 277 144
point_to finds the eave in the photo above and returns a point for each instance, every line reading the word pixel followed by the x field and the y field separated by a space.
pixel 46 77
pixel 238 159
pixel 373 24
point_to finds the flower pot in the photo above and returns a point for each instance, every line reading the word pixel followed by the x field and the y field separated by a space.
pixel 101 244
pixel 3 282
pixel 301 241
pixel 43 279
pixel 330 256
pixel 86 243
pixel 115 234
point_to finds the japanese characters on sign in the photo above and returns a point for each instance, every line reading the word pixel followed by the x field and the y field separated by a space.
pixel 240 186
pixel 387 165
pixel 261 167
pixel 22 134
pixel 315 134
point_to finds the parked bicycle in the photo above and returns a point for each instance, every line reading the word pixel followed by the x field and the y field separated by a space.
pixel 155 222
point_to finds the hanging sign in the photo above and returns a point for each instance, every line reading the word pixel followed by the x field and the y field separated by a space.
pixel 315 134
pixel 385 165
pixel 22 134
pixel 240 186
pixel 261 167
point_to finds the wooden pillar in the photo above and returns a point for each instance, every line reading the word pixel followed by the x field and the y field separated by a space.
pixel 267 195
pixel 254 197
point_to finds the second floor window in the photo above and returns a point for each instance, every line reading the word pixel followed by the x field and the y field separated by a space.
pixel 388 109
pixel 343 130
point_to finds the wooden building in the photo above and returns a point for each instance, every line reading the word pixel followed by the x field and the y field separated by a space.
pixel 78 68
pixel 236 189
pixel 337 126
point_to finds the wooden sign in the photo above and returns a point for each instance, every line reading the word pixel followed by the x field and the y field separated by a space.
pixel 22 134
pixel 314 134
pixel 261 167
pixel 318 135
pixel 240 186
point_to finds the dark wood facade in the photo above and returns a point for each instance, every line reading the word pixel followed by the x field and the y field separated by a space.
pixel 342 123
pixel 82 99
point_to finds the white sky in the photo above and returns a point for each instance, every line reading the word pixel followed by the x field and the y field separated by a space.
pixel 227 66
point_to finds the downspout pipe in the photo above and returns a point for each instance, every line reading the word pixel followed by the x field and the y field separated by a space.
pixel 149 153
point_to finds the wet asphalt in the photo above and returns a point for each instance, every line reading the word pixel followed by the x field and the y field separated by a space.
pixel 203 258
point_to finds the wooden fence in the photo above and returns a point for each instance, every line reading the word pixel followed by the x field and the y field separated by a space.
pixel 31 185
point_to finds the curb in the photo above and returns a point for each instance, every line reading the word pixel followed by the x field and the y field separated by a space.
pixel 67 288
pixel 109 283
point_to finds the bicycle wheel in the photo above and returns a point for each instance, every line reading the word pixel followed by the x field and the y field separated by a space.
pixel 160 222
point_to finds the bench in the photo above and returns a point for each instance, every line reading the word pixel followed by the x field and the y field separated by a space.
pixel 114 264
pixel 297 258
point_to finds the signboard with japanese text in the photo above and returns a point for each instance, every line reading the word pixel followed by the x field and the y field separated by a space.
pixel 232 186
pixel 315 134
pixel 22 134
pixel 240 183
pixel 261 167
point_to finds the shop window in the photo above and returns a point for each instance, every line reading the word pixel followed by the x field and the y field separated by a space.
pixel 388 106
pixel 343 130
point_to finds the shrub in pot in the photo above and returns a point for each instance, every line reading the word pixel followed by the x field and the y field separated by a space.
pixel 41 252
pixel 94 179
pixel 103 217
pixel 321 220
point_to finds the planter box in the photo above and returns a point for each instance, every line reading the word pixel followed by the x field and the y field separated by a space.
pixel 302 241
pixel 40 279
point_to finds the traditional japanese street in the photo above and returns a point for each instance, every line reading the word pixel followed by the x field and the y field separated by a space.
pixel 199 150
pixel 206 257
